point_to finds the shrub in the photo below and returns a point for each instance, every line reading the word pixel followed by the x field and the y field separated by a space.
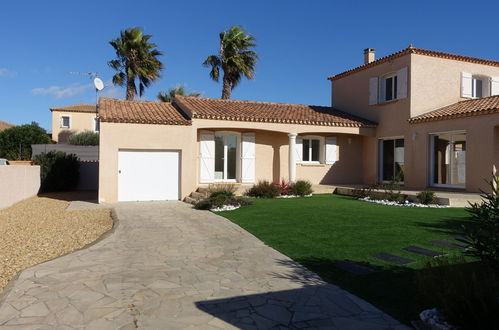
pixel 483 234
pixel 466 294
pixel 427 197
pixel 284 187
pixel 264 189
pixel 58 171
pixel 85 138
pixel 204 204
pixel 301 188
pixel 221 189
pixel 15 142
pixel 392 191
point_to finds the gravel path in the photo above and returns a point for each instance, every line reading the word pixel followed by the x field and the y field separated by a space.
pixel 39 229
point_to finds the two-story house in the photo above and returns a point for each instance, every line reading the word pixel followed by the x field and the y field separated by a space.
pixel 426 118
pixel 71 119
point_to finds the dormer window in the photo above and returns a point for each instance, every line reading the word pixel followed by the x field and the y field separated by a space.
pixel 477 87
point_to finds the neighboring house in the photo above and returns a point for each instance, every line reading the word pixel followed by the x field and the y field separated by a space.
pixel 426 118
pixel 72 119
pixel 4 125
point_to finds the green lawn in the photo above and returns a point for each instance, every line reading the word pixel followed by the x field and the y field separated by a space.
pixel 323 229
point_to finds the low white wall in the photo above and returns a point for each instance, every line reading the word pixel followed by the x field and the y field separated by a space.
pixel 18 182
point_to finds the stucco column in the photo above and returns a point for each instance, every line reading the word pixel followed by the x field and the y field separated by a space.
pixel 292 157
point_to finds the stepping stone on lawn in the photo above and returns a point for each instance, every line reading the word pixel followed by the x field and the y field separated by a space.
pixel 459 238
pixel 393 258
pixel 423 251
pixel 354 267
pixel 448 244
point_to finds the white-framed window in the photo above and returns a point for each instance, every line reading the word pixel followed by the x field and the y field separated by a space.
pixel 391 159
pixel 477 86
pixel 65 121
pixel 311 150
pixel 389 87
pixel 448 159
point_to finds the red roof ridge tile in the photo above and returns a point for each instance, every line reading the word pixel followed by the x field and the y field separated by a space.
pixel 419 51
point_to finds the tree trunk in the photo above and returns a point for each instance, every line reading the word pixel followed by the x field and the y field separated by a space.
pixel 130 90
pixel 226 88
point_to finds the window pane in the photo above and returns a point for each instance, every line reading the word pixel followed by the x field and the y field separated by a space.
pixel 399 159
pixel 388 89
pixel 97 125
pixel 306 150
pixel 315 150
pixel 449 159
pixel 388 158
pixel 219 157
pixel 231 156
pixel 458 159
pixel 478 88
pixel 65 121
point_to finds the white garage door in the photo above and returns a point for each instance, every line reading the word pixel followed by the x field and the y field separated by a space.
pixel 148 175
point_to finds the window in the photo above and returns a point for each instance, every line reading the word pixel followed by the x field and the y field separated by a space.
pixel 311 150
pixel 96 124
pixel 391 159
pixel 65 122
pixel 477 87
pixel 448 159
pixel 388 90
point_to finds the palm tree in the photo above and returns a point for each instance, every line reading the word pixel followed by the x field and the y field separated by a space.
pixel 177 90
pixel 137 58
pixel 235 59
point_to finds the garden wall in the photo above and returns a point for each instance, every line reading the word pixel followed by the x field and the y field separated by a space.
pixel 18 183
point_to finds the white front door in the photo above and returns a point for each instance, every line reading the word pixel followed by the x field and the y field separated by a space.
pixel 148 175
pixel 226 157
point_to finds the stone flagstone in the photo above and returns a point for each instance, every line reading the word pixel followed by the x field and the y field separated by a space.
pixel 393 258
pixel 447 244
pixel 423 251
pixel 168 266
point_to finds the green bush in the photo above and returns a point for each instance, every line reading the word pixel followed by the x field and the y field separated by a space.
pixel 466 294
pixel 301 188
pixel 483 234
pixel 15 142
pixel 427 197
pixel 264 189
pixel 85 138
pixel 221 189
pixel 58 171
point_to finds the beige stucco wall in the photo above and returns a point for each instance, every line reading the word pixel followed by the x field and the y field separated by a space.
pixel 18 182
pixel 79 122
pixel 271 151
pixel 436 82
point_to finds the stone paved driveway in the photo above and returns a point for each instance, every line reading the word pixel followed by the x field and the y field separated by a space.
pixel 167 266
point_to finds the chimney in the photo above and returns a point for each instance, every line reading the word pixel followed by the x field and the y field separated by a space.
pixel 369 55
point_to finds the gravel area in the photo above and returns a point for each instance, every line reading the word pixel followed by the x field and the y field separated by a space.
pixel 39 229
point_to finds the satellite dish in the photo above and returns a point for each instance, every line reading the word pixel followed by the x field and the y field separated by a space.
pixel 99 85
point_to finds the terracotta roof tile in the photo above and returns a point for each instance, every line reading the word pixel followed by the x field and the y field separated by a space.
pixel 75 108
pixel 4 125
pixel 420 51
pixel 474 107
pixel 140 112
pixel 235 110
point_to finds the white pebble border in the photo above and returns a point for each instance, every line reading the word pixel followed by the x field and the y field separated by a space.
pixel 225 208
pixel 292 196
pixel 433 318
pixel 406 204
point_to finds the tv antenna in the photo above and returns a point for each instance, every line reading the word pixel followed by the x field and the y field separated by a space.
pixel 98 83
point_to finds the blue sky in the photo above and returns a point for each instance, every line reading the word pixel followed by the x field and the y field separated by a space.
pixel 300 43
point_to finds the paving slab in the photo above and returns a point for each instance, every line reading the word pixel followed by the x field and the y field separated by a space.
pixel 168 266
pixel 459 238
pixel 354 267
pixel 448 244
pixel 423 251
pixel 393 258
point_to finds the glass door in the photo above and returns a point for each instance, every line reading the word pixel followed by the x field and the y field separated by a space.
pixel 391 160
pixel 225 157
pixel 448 159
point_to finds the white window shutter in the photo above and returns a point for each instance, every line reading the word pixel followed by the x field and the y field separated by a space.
pixel 331 150
pixel 494 86
pixel 373 90
pixel 206 157
pixel 402 83
pixel 299 149
pixel 248 158
pixel 466 84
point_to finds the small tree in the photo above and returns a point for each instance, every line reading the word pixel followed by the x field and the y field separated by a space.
pixel 85 138
pixel 483 234
pixel 15 142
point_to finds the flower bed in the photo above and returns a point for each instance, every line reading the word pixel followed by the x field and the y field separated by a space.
pixel 405 204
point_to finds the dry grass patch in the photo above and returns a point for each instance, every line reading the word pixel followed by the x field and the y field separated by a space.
pixel 39 229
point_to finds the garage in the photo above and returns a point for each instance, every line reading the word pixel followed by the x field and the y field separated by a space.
pixel 148 175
